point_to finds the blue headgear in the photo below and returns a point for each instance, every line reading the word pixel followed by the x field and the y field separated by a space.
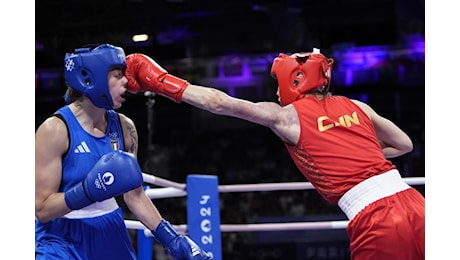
pixel 87 68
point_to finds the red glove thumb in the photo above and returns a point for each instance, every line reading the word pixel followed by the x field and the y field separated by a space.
pixel 133 85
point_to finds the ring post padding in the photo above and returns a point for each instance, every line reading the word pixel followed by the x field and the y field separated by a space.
pixel 144 242
pixel 203 213
pixel 144 245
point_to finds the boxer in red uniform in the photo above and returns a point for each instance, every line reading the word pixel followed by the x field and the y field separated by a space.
pixel 340 145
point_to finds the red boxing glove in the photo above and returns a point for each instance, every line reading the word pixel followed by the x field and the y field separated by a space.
pixel 144 74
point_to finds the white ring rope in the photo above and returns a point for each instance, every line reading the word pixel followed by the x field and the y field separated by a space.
pixel 152 179
pixel 341 224
pixel 290 186
pixel 179 189
pixel 174 189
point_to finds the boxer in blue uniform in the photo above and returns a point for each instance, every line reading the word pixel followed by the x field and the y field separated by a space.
pixel 85 156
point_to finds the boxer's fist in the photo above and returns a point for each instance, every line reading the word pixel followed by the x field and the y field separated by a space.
pixel 144 74
pixel 115 173
pixel 180 247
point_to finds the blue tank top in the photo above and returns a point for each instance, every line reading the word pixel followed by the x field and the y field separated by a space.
pixel 85 149
pixel 100 237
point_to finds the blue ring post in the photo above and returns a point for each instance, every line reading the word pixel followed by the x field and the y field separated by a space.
pixel 203 213
pixel 144 243
pixel 144 246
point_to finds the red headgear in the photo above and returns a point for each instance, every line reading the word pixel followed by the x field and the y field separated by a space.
pixel 301 73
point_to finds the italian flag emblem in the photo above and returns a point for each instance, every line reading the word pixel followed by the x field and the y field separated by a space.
pixel 115 146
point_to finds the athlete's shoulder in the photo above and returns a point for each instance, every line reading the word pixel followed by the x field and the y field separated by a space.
pixel 52 133
pixel 125 120
pixel 52 125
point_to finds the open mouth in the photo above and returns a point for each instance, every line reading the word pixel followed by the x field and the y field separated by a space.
pixel 128 94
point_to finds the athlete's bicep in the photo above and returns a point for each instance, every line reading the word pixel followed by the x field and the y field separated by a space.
pixel 391 134
pixel 262 113
pixel 51 142
pixel 388 132
pixel 283 121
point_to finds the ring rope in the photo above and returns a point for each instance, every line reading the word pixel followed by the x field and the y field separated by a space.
pixel 179 189
pixel 174 189
pixel 341 224
pixel 152 179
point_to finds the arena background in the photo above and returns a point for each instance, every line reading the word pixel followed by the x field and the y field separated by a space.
pixel 379 52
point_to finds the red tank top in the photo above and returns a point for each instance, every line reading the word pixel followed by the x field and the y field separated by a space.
pixel 338 146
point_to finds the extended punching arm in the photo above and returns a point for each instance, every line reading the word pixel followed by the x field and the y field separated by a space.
pixel 115 173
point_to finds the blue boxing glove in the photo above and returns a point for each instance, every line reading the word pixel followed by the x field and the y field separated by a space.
pixel 115 173
pixel 180 247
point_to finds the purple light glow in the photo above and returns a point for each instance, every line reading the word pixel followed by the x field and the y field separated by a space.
pixel 365 64
pixel 358 58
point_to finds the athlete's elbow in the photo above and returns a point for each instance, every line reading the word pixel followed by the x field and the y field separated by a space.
pixel 41 216
pixel 44 212
pixel 409 147
pixel 406 147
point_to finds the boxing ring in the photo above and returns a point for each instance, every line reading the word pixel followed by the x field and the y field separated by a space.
pixel 203 211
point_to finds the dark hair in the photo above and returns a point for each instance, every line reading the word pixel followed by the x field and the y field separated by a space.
pixel 71 95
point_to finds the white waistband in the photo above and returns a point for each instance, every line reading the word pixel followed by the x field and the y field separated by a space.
pixel 370 190
pixel 94 210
